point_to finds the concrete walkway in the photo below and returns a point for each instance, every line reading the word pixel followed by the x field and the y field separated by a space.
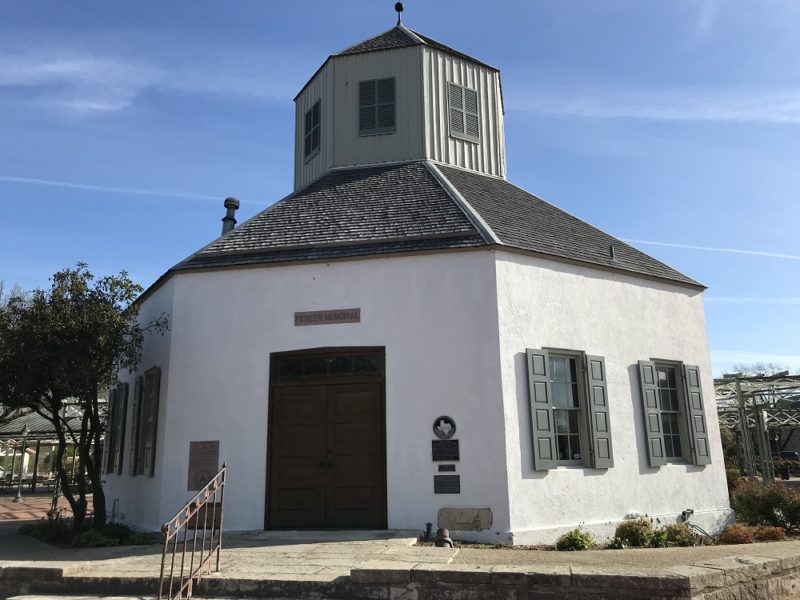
pixel 328 564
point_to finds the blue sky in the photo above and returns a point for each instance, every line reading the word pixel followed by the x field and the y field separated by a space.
pixel 675 123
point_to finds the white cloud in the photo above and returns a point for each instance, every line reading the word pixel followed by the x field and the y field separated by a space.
pixel 711 249
pixel 731 105
pixel 114 189
pixel 98 83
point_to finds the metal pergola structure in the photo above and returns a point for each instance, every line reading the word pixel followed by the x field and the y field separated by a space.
pixel 758 409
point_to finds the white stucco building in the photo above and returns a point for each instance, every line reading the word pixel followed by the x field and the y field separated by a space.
pixel 404 280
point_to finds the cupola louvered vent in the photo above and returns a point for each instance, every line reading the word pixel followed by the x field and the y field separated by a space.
pixel 464 115
pixel 376 106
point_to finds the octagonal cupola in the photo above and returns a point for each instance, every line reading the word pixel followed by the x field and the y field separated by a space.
pixel 396 97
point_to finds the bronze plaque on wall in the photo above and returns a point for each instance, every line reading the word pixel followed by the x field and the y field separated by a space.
pixel 203 463
pixel 445 450
pixel 328 317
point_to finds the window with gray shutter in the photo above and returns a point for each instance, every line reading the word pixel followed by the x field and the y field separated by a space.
pixel 108 447
pixel 648 381
pixel 569 409
pixel 542 426
pixel 675 420
pixel 149 427
pixel 695 412
pixel 463 112
pixel 120 414
pixel 136 418
pixel 602 451
pixel 312 131
pixel 376 106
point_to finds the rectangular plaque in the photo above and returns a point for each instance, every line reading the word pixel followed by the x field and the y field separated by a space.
pixel 445 450
pixel 328 317
pixel 446 484
pixel 203 463
pixel 447 468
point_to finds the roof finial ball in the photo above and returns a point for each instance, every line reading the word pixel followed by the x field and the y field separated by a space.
pixel 399 8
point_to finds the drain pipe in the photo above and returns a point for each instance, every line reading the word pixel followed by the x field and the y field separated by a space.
pixel 229 220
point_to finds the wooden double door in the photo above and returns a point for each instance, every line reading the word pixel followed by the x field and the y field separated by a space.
pixel 327 456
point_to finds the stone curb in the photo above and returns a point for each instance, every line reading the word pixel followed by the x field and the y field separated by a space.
pixel 745 576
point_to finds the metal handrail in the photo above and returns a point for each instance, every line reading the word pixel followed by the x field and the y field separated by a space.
pixel 186 519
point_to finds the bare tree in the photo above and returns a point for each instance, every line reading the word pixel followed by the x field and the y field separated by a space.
pixel 760 368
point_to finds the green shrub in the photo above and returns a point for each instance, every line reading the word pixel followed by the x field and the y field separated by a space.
pixel 51 531
pixel 770 504
pixel 770 534
pixel 138 538
pixel 575 540
pixel 659 539
pixel 737 534
pixel 635 532
pixel 680 534
pixel 617 544
pixel 94 538
pixel 732 475
pixel 60 532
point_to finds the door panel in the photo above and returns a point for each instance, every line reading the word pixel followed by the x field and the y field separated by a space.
pixel 327 457
pixel 354 482
pixel 297 479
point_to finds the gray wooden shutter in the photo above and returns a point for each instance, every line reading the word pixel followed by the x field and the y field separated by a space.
pixel 456 106
pixel 471 119
pixel 652 414
pixel 386 104
pixel 542 426
pixel 136 415
pixel 108 449
pixel 602 456
pixel 695 412
pixel 367 100
pixel 120 415
pixel 151 387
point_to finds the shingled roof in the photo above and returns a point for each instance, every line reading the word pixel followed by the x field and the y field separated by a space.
pixel 401 37
pixel 407 207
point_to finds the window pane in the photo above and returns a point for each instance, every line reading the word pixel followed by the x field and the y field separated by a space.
pixel 315 118
pixel 315 366
pixel 563 447
pixel 291 367
pixel 342 364
pixel 308 122
pixel 562 421
pixel 367 364
pixel 315 138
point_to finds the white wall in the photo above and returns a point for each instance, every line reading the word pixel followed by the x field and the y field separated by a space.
pixel 543 303
pixel 140 496
pixel 436 316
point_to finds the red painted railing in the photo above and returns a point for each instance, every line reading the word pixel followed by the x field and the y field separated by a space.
pixel 203 512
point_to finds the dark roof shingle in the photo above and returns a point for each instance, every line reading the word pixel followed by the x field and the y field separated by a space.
pixel 405 208
pixel 385 208
pixel 402 37
pixel 521 220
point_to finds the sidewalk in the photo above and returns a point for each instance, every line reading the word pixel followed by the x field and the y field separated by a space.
pixel 383 565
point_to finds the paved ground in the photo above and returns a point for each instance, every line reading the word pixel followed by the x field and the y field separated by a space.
pixel 32 506
pixel 325 556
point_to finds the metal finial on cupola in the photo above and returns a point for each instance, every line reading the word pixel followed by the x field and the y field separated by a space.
pixel 399 8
